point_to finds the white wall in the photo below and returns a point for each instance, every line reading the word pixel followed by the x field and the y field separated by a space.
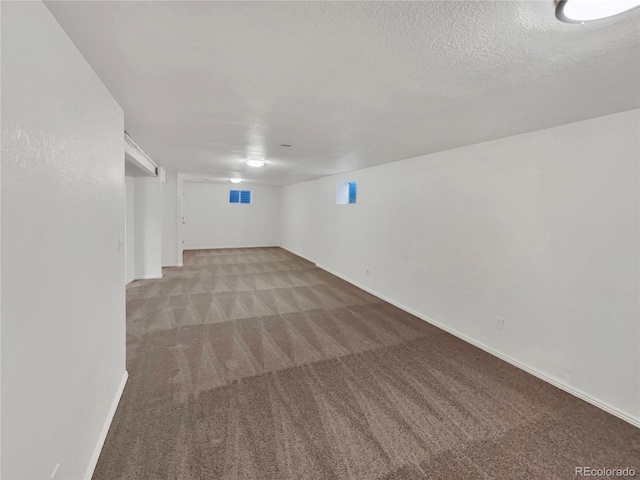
pixel 148 227
pixel 540 229
pixel 213 222
pixel 300 219
pixel 180 213
pixel 130 229
pixel 170 221
pixel 63 300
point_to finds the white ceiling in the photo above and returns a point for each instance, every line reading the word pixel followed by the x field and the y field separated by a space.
pixel 348 84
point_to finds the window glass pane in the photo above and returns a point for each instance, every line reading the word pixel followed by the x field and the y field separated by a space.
pixel 245 196
pixel 353 187
pixel 234 196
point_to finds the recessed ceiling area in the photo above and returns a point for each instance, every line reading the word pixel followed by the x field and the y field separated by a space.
pixel 132 170
pixel 205 85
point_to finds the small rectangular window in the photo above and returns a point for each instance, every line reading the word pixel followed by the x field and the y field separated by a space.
pixel 346 192
pixel 240 196
pixel 353 188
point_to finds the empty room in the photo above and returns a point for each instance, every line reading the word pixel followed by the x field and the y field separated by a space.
pixel 320 240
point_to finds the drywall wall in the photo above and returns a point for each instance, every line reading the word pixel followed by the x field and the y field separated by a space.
pixel 212 222
pixel 180 213
pixel 148 227
pixel 540 229
pixel 170 221
pixel 63 227
pixel 299 218
pixel 130 258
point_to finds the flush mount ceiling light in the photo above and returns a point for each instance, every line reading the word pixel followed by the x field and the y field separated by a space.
pixel 235 180
pixel 254 162
pixel 580 11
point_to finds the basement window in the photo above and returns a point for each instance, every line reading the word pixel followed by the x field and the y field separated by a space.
pixel 240 196
pixel 346 192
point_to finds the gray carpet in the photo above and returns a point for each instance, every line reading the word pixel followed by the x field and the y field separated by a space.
pixel 255 364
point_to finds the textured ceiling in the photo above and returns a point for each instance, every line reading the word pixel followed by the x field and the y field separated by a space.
pixel 348 84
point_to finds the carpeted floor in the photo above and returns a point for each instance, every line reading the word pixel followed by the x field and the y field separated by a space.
pixel 253 363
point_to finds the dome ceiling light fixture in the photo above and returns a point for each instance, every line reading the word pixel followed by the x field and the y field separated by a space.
pixel 255 162
pixel 235 180
pixel 581 11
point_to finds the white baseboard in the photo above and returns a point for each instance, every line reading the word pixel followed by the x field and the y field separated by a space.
pixel 627 417
pixel 227 248
pixel 149 277
pixel 302 256
pixel 105 429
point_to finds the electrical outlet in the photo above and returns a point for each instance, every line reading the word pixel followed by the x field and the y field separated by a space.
pixel 499 323
pixel 54 474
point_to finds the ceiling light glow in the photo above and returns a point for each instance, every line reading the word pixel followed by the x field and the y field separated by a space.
pixel 255 162
pixel 580 11
pixel 235 180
